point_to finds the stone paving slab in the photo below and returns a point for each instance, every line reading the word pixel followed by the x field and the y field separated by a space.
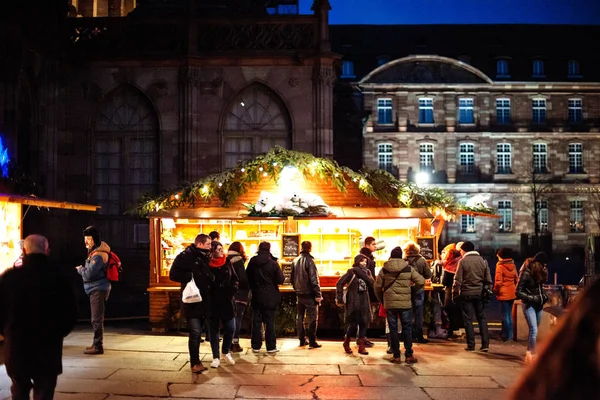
pixel 301 369
pixel 275 392
pixel 371 393
pixel 467 394
pixel 107 361
pixel 79 396
pixel 88 373
pixel 69 385
pixel 203 391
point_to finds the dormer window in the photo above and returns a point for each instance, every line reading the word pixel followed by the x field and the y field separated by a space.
pixel 538 68
pixel 574 69
pixel 502 69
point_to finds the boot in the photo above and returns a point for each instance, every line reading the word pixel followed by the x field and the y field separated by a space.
pixel 347 348
pixel 236 348
pixel 389 349
pixel 362 346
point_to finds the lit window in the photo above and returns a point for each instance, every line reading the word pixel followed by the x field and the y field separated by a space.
pixel 574 69
pixel 467 158
pixel 575 158
pixel 575 111
pixel 540 158
pixel 502 69
pixel 538 68
pixel 426 157
pixel 505 212
pixel 538 111
pixel 384 155
pixel 467 223
pixel 503 158
pixel 542 211
pixel 426 111
pixel 348 69
pixel 577 221
pixel 503 111
pixel 384 111
pixel 465 111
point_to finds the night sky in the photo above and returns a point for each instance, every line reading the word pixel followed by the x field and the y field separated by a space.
pixel 461 11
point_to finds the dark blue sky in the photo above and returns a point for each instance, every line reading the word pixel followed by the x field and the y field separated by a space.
pixel 461 11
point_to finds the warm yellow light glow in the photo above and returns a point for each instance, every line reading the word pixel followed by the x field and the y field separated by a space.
pixel 177 197
pixel 220 184
pixel 243 170
pixel 205 189
pixel 265 174
pixel 260 169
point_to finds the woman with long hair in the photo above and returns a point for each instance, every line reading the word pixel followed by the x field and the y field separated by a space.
pixel 358 304
pixel 222 309
pixel 237 256
pixel 505 286
pixel 450 258
pixel 568 366
pixel 530 291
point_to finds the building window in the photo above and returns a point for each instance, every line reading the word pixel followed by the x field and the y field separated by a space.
pixel 384 111
pixel 538 110
pixel 426 111
pixel 575 111
pixel 502 69
pixel 426 157
pixel 542 211
pixel 538 68
pixel 467 223
pixel 505 212
pixel 577 222
pixel 348 69
pixel 465 111
pixel 540 158
pixel 575 158
pixel 503 111
pixel 503 158
pixel 384 155
pixel 467 158
pixel 574 69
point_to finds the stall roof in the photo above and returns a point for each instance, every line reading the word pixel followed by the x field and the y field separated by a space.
pixel 337 213
pixel 38 202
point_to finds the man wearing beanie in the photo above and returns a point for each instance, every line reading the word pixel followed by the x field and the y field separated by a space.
pixel 471 276
pixel 96 284
pixel 393 289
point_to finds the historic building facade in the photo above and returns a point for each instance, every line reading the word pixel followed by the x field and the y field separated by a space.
pixel 513 124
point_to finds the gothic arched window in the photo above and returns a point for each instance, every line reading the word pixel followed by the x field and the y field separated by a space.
pixel 256 121
pixel 124 151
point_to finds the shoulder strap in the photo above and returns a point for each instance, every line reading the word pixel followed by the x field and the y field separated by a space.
pixel 395 279
pixel 353 276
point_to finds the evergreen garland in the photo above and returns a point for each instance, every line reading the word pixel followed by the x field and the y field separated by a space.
pixel 229 185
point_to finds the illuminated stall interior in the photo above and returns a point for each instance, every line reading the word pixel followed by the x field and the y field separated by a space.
pixel 10 234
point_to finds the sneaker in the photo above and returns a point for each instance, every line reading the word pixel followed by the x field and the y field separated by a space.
pixel 469 349
pixel 422 340
pixel 94 350
pixel 198 368
pixel 303 342
pixel 229 359
pixel 411 360
pixel 273 351
pixel 389 350
pixel 396 360
pixel 236 348
pixel 314 345
pixel 484 349
pixel 256 350
pixel 215 363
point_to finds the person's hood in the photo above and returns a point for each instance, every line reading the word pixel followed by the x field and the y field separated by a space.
pixel 263 258
pixel 103 251
pixel 508 263
pixel 234 256
pixel 395 265
pixel 411 251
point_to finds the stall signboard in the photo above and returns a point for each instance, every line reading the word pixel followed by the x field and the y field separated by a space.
pixel 428 246
pixel 286 268
pixel 291 245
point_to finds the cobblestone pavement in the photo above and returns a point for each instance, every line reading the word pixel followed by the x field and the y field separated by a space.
pixel 137 366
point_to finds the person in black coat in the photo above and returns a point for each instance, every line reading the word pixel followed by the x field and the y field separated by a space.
pixel 367 250
pixel 222 310
pixel 264 278
pixel 193 262
pixel 237 256
pixel 37 310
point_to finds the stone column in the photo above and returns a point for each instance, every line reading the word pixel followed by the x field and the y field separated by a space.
pixel 323 80
pixel 190 143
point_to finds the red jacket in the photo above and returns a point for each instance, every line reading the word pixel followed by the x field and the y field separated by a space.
pixel 505 283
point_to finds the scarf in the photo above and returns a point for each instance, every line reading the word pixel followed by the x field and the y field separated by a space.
pixel 217 262
pixel 452 265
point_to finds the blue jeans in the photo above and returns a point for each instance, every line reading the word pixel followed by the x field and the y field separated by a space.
pixel 533 316
pixel 195 329
pixel 507 322
pixel 228 328
pixel 406 321
pixel 417 303
pixel 240 308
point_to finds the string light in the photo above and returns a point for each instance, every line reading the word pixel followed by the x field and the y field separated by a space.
pixel 265 174
pixel 275 164
pixel 220 184
pixel 260 169
pixel 243 170
pixel 177 197
pixel 336 174
pixel 205 189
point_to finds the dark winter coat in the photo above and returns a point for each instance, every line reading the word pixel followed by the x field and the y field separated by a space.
pixel 358 304
pixel 371 267
pixel 194 261
pixel 471 276
pixel 222 290
pixel 93 271
pixel 528 290
pixel 398 292
pixel 304 276
pixel 37 310
pixel 264 278
pixel 243 293
pixel 419 263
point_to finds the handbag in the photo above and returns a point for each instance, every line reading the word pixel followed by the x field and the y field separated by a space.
pixel 191 293
pixel 345 290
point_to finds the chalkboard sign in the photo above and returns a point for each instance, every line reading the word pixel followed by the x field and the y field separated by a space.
pixel 291 245
pixel 286 268
pixel 428 246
